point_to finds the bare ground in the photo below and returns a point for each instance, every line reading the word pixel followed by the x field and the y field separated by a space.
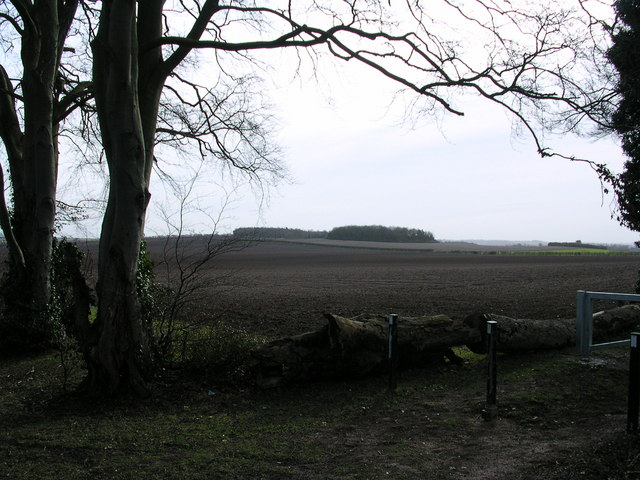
pixel 280 288
pixel 560 416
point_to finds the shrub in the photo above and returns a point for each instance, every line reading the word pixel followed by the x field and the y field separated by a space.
pixel 25 331
pixel 213 348
pixel 199 344
pixel 65 307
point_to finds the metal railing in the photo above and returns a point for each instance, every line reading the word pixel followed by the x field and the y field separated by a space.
pixel 584 319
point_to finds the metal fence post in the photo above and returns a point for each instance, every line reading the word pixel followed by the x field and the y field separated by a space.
pixel 634 387
pixel 584 323
pixel 392 351
pixel 490 411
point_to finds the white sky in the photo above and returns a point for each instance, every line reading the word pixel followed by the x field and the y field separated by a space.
pixel 353 161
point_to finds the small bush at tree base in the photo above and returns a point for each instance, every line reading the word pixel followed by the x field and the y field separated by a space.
pixel 198 343
pixel 24 331
pixel 213 348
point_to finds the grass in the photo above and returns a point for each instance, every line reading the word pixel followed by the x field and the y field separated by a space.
pixel 403 247
pixel 334 430
pixel 565 252
pixel 580 251
pixel 154 441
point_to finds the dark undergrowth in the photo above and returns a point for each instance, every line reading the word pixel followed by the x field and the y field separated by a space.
pixel 559 417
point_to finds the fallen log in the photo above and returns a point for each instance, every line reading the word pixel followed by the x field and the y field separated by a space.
pixel 357 347
pixel 289 359
pixel 420 339
pixel 525 335
pixel 522 335
pixel 616 323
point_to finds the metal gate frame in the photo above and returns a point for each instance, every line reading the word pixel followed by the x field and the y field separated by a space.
pixel 584 319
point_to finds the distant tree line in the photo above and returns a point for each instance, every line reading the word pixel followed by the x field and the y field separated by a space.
pixel 378 233
pixel 288 233
pixel 576 244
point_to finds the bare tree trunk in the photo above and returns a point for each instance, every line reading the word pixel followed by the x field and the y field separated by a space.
pixel 35 201
pixel 127 85
pixel 119 355
pixel 33 161
pixel 12 137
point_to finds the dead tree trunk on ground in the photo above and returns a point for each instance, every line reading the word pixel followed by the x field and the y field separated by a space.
pixel 357 347
pixel 523 335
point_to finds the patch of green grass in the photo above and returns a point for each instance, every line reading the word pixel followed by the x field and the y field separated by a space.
pixel 513 370
pixel 333 430
pixel 191 440
pixel 467 355
pixel 452 423
pixel 576 252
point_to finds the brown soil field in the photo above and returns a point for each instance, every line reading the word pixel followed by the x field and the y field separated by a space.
pixel 560 416
pixel 278 288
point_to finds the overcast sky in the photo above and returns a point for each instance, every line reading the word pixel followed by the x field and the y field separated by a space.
pixel 353 161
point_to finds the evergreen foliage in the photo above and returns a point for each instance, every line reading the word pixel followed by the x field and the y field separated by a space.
pixel 625 57
pixel 21 334
pixel 149 291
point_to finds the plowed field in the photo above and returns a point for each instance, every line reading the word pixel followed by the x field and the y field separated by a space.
pixel 560 416
pixel 284 288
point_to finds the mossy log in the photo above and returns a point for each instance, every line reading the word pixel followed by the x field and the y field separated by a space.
pixel 522 335
pixel 525 335
pixel 357 347
pixel 616 323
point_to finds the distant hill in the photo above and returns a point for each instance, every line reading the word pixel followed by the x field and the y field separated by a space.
pixel 502 243
pixel 577 244
pixel 257 233
pixel 378 233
